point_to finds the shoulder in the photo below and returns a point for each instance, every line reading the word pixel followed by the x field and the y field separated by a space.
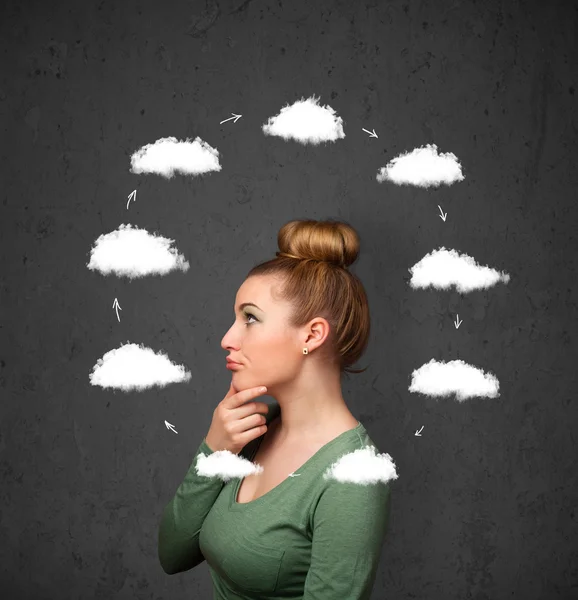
pixel 353 505
pixel 358 472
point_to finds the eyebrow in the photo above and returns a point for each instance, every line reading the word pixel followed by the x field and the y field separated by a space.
pixel 242 306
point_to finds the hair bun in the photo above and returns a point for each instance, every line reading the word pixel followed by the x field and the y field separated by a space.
pixel 331 241
pixel 314 289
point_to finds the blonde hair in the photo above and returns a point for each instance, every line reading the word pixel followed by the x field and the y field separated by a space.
pixel 312 265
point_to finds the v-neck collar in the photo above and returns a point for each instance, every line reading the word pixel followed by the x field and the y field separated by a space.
pixel 234 505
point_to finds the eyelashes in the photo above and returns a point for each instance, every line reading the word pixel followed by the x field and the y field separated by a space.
pixel 250 316
pixel 247 314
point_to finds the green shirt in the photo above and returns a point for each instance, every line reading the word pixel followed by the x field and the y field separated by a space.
pixel 309 538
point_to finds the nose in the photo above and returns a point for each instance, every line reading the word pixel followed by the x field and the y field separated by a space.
pixel 226 341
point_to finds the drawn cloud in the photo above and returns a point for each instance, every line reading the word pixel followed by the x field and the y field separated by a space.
pixel 167 156
pixel 363 466
pixel 444 268
pixel 454 377
pixel 133 367
pixel 423 167
pixel 306 122
pixel 133 252
pixel 225 465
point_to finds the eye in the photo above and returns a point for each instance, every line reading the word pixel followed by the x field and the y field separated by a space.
pixel 250 316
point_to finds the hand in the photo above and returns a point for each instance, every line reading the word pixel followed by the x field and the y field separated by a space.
pixel 235 423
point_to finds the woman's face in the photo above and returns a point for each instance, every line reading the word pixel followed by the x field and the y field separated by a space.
pixel 260 337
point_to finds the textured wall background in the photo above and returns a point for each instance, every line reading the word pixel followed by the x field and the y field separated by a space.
pixel 485 505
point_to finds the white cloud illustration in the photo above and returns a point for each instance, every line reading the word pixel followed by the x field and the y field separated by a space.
pixel 444 268
pixel 132 367
pixel 306 122
pixel 422 167
pixel 455 377
pixel 363 466
pixel 168 155
pixel 134 252
pixel 225 465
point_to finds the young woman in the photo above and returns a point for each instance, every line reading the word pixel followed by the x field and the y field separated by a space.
pixel 289 531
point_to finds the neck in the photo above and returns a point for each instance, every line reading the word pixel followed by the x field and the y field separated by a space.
pixel 308 412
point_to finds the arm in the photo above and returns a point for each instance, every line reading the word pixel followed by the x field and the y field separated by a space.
pixel 349 526
pixel 183 517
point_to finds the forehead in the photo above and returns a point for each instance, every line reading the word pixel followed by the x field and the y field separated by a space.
pixel 257 290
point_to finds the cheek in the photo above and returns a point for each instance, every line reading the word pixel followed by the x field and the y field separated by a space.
pixel 273 343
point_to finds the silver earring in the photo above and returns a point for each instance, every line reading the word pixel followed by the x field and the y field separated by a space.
pixel 305 351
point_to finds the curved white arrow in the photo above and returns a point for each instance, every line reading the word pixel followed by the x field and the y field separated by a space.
pixel 236 117
pixel 370 133
pixel 133 194
pixel 169 426
pixel 116 305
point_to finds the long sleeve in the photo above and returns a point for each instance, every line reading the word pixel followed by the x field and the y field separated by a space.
pixel 349 526
pixel 183 517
